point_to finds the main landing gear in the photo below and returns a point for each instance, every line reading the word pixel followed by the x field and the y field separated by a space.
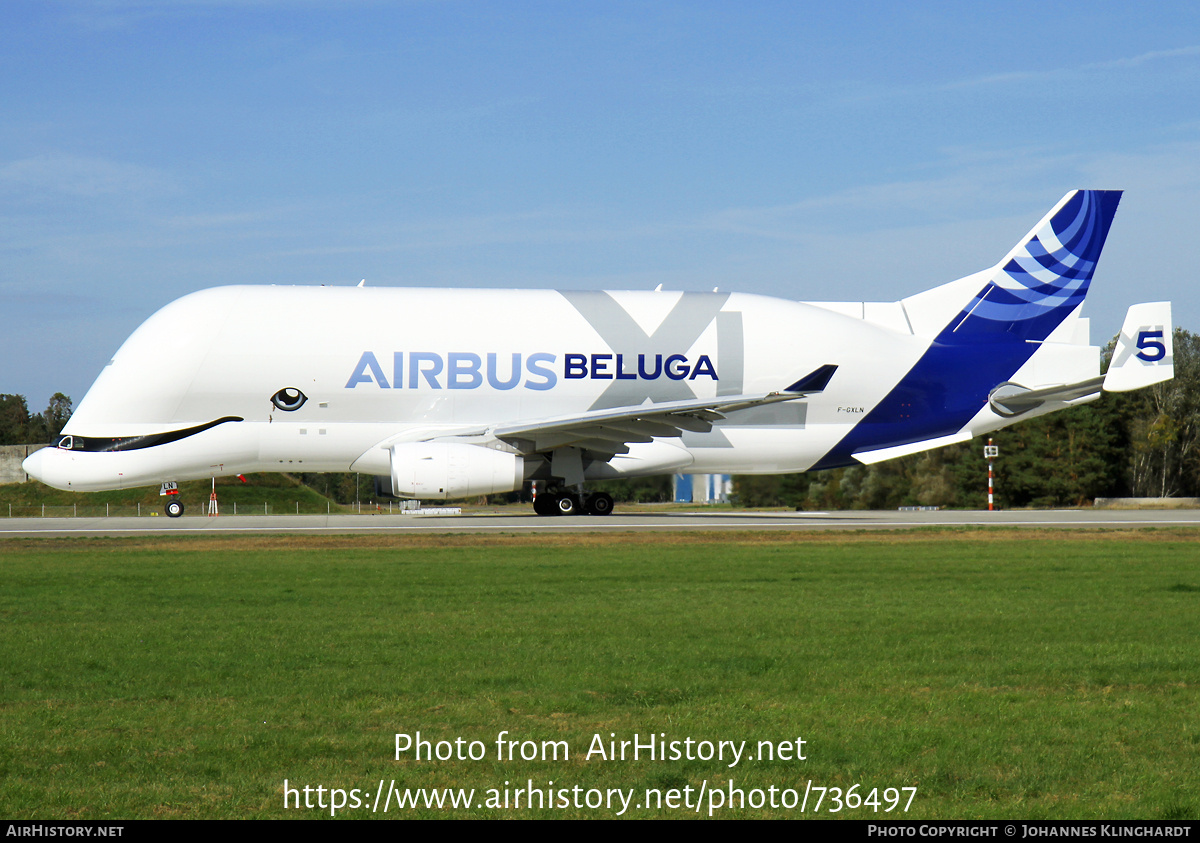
pixel 562 502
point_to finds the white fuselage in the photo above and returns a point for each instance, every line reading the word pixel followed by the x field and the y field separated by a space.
pixel 379 365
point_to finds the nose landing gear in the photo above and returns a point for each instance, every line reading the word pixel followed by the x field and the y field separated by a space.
pixel 174 506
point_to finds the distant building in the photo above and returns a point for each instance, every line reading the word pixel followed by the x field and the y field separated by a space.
pixel 702 488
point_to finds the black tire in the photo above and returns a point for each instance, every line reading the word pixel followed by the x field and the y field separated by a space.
pixel 545 504
pixel 568 505
pixel 174 508
pixel 600 503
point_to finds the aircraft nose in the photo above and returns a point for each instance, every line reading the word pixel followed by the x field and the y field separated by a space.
pixel 35 464
pixel 51 466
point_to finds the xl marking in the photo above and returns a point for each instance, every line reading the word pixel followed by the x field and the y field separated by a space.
pixel 688 319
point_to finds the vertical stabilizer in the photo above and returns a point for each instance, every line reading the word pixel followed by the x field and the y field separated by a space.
pixel 1045 278
pixel 986 326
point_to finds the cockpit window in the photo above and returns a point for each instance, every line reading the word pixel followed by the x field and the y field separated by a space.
pixel 134 443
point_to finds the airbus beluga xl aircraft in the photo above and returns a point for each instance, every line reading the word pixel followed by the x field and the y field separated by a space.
pixel 455 393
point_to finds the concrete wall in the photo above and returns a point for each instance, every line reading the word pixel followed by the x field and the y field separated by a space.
pixel 11 457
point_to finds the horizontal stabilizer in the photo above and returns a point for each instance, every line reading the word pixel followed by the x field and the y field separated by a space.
pixel 1143 355
pixel 1010 399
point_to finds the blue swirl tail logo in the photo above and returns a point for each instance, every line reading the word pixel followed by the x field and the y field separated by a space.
pixel 1045 278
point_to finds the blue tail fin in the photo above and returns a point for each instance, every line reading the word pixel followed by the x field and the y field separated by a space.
pixel 991 334
pixel 1045 277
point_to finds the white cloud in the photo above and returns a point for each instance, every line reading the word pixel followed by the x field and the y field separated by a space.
pixel 72 175
pixel 1024 77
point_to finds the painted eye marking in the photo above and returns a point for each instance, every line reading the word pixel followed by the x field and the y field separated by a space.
pixel 288 399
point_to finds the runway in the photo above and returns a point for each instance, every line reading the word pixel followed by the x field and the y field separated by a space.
pixel 528 523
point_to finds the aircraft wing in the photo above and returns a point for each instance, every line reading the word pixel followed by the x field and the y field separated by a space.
pixel 610 431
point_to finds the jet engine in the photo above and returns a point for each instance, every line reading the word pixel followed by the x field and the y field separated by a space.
pixel 442 470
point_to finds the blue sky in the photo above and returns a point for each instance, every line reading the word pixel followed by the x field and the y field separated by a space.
pixel 812 151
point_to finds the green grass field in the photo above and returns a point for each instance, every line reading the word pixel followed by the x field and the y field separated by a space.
pixel 1002 674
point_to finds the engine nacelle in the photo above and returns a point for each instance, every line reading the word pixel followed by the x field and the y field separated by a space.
pixel 441 470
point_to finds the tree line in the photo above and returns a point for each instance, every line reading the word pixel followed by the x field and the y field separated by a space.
pixel 1144 443
pixel 20 427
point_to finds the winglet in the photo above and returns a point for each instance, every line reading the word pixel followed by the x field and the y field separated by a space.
pixel 815 381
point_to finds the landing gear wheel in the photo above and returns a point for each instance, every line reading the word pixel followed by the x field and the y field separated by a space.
pixel 568 505
pixel 600 503
pixel 174 508
pixel 545 504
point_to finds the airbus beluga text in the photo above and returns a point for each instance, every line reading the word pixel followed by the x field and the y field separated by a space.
pixel 454 393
